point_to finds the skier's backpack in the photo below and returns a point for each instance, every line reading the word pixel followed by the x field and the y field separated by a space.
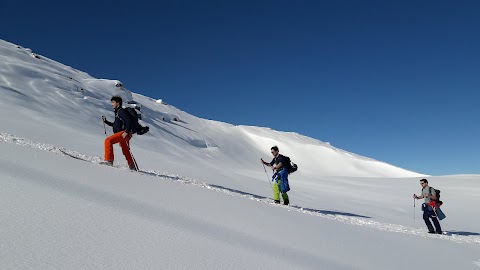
pixel 134 117
pixel 291 167
pixel 437 194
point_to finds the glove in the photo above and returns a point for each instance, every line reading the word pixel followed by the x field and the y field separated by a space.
pixel 274 177
pixel 104 118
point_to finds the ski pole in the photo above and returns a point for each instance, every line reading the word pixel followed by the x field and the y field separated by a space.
pixel 134 161
pixel 104 127
pixel 268 178
pixel 414 214
pixel 439 223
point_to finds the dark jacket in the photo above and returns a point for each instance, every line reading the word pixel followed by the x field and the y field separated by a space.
pixel 282 159
pixel 122 121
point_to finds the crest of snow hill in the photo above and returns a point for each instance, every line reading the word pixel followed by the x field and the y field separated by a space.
pixel 48 96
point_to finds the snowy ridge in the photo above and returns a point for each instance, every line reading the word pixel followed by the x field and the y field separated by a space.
pixel 345 218
pixel 57 93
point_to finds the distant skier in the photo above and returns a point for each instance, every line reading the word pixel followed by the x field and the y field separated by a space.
pixel 279 165
pixel 122 129
pixel 429 194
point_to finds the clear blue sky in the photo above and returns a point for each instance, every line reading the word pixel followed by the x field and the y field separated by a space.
pixel 398 81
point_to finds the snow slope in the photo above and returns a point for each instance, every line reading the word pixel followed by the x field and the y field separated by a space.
pixel 51 98
pixel 201 201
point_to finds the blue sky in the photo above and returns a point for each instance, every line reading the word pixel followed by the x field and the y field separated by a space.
pixel 398 81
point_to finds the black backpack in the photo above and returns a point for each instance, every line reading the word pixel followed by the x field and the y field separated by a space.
pixel 437 193
pixel 134 117
pixel 290 166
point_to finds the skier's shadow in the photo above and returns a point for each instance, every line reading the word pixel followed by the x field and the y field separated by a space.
pixel 239 192
pixel 324 212
pixel 462 233
pixel 255 196
pixel 330 212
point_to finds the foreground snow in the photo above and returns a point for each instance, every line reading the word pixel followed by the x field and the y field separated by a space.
pixel 63 213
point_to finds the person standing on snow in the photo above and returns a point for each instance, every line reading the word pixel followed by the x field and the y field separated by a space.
pixel 279 166
pixel 429 194
pixel 122 133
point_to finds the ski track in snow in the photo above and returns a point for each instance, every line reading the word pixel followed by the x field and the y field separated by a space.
pixel 365 222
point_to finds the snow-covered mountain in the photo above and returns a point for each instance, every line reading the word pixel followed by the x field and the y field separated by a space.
pixel 67 101
pixel 202 200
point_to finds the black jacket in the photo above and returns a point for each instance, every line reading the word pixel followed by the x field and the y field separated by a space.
pixel 122 121
pixel 280 158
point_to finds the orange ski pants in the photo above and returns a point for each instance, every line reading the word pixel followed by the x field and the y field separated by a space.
pixel 117 138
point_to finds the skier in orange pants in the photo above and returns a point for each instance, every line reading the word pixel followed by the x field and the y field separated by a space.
pixel 123 130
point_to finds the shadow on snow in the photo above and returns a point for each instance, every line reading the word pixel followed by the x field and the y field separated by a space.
pixel 325 212
pixel 462 233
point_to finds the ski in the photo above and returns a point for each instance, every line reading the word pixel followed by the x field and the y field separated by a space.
pixel 95 160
